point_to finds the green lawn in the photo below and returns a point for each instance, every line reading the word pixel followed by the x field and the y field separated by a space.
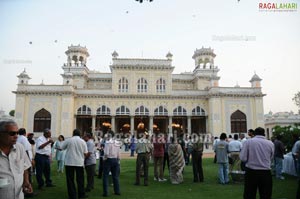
pixel 208 190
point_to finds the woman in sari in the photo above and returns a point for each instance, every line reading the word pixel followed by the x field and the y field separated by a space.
pixel 176 162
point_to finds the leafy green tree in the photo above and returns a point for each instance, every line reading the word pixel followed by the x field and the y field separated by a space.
pixel 289 133
pixel 296 99
pixel 12 113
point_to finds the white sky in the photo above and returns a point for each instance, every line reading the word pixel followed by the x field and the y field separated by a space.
pixel 150 30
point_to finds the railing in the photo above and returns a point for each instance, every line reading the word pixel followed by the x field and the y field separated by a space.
pixel 48 88
pixel 149 62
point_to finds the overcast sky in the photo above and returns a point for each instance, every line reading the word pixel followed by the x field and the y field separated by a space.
pixel 35 34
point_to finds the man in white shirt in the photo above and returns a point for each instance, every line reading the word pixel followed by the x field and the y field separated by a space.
pixel 243 138
pixel 76 151
pixel 22 139
pixel 111 163
pixel 42 159
pixel 234 148
pixel 14 163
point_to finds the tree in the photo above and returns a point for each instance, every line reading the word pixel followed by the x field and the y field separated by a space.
pixel 296 99
pixel 12 113
pixel 289 135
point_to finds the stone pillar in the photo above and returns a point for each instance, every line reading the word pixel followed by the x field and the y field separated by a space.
pixel 132 125
pixel 93 123
pixel 170 125
pixel 151 124
pixel 184 125
pixel 113 124
pixel 189 125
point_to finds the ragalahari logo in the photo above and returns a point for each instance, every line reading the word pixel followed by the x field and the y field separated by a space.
pixel 277 7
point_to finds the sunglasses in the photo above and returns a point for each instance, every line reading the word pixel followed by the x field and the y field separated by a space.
pixel 10 133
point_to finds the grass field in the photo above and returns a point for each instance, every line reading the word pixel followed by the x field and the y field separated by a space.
pixel 209 189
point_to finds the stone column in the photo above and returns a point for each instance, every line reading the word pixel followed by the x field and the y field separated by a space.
pixel 93 123
pixel 170 125
pixel 113 124
pixel 189 125
pixel 184 125
pixel 151 124
pixel 132 125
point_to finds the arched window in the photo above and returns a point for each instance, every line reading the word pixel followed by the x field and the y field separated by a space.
pixel 161 85
pixel 141 111
pixel 123 110
pixel 42 120
pixel 179 111
pixel 123 85
pixel 198 111
pixel 142 86
pixel 160 111
pixel 81 59
pixel 103 110
pixel 238 122
pixel 84 110
pixel 74 58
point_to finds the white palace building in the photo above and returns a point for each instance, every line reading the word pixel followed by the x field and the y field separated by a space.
pixel 138 94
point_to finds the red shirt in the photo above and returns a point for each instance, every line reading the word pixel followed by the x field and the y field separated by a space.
pixel 158 147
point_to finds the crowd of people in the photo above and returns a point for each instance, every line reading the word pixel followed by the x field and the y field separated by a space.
pixel 21 157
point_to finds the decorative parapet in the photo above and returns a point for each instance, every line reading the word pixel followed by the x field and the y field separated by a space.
pixel 204 51
pixel 182 76
pixel 282 117
pixel 78 64
pixel 282 121
pixel 68 90
pixel 45 89
pixel 97 75
pixel 142 64
pixel 75 68
pixel 147 62
pixel 77 48
pixel 93 92
pixel 148 97
pixel 189 93
pixel 190 77
pixel 206 72
pixel 235 91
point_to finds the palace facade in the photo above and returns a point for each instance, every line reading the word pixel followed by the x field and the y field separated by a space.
pixel 138 94
pixel 280 119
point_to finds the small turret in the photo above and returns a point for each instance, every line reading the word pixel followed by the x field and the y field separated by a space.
pixel 255 81
pixel 169 56
pixel 115 55
pixel 204 58
pixel 23 77
pixel 77 55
